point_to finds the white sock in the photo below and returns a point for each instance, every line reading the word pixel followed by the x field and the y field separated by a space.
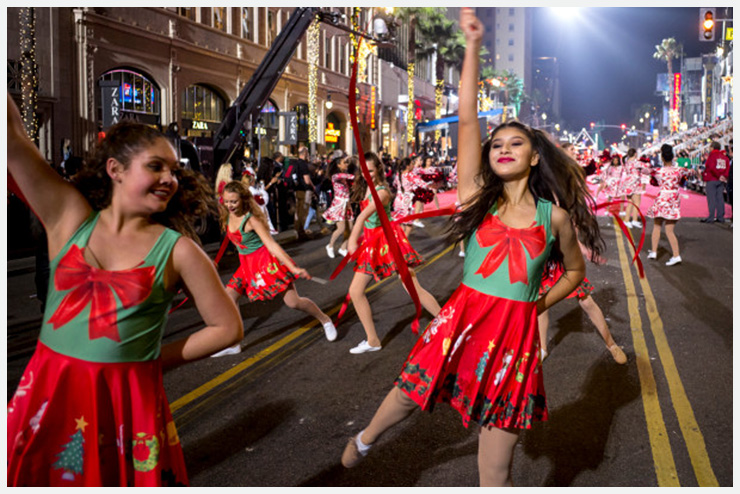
pixel 362 447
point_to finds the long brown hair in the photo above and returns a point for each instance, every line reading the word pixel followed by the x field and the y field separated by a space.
pixel 248 204
pixel 556 178
pixel 192 203
pixel 359 188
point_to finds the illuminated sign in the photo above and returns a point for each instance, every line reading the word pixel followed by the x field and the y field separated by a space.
pixel 331 134
pixel 198 125
pixel 728 34
pixel 676 91
pixel 372 107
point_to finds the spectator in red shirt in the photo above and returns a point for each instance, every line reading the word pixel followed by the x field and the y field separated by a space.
pixel 716 171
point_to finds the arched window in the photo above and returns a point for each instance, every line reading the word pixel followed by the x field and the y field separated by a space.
pixel 301 111
pixel 202 103
pixel 139 96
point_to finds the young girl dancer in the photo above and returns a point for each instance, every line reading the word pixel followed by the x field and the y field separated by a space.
pixel 583 295
pixel 422 194
pixel 90 409
pixel 374 259
pixel 265 270
pixel 631 187
pixel 667 206
pixel 223 176
pixel 612 182
pixel 403 204
pixel 261 196
pixel 342 173
pixel 480 354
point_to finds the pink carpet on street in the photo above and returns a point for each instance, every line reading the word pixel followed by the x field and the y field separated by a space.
pixel 693 204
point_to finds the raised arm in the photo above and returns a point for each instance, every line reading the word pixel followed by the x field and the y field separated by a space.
pixel 59 205
pixel 468 137
pixel 224 325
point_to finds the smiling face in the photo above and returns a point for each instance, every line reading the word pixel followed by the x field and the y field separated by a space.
pixel 232 202
pixel 150 179
pixel 511 155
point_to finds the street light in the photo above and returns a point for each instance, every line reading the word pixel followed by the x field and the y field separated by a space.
pixel 544 116
pixel 328 103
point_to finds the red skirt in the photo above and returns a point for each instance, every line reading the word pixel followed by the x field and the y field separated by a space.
pixel 77 423
pixel 260 276
pixel 480 355
pixel 375 257
pixel 552 275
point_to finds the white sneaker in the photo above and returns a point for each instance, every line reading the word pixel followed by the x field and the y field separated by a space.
pixel 330 251
pixel 628 224
pixel 637 224
pixel 342 252
pixel 417 224
pixel 462 253
pixel 652 255
pixel 330 331
pixel 232 350
pixel 673 260
pixel 364 347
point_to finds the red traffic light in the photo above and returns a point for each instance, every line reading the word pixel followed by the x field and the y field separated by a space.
pixel 623 126
pixel 593 125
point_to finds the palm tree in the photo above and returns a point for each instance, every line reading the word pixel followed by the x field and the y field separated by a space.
pixel 666 51
pixel 437 37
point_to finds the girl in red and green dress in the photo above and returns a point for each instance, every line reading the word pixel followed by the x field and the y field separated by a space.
pixel 90 408
pixel 374 259
pixel 265 269
pixel 481 353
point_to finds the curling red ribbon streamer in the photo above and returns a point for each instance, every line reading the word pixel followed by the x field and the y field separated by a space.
pixel 625 230
pixel 220 254
pixel 447 211
pixel 403 269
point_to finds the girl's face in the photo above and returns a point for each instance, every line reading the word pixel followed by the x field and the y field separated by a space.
pixel 232 202
pixel 344 164
pixel 511 154
pixel 571 151
pixel 150 180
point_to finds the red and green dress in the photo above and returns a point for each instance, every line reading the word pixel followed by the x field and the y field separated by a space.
pixel 260 275
pixel 374 257
pixel 90 409
pixel 481 353
pixel 552 273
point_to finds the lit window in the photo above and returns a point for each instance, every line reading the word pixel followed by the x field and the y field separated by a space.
pixel 219 18
pixel 246 17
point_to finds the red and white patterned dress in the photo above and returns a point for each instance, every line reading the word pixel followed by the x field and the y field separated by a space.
pixel 631 179
pixel 339 209
pixel 403 204
pixel 421 188
pixel 613 177
pixel 668 203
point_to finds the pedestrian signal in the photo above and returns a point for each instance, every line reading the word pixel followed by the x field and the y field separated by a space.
pixel 706 18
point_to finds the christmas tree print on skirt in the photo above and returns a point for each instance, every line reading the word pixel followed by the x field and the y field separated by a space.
pixel 71 457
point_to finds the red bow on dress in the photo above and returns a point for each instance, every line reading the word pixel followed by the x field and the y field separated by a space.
pixel 87 283
pixel 509 242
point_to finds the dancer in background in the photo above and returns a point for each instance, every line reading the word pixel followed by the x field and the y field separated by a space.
pixel 90 409
pixel 481 353
pixel 403 204
pixel 631 188
pixel 261 196
pixel 342 170
pixel 225 175
pixel 375 259
pixel 265 270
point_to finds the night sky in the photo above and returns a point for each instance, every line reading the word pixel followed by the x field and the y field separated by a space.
pixel 606 56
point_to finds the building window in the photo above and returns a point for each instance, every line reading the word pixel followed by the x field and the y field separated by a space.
pixel 511 57
pixel 271 27
pixel 187 12
pixel 14 76
pixel 202 103
pixel 219 18
pixel 511 28
pixel 302 116
pixel 511 41
pixel 140 98
pixel 327 51
pixel 511 12
pixel 246 20
pixel 342 55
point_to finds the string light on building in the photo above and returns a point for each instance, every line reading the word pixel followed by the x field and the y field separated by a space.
pixel 313 72
pixel 29 71
pixel 438 90
pixel 410 107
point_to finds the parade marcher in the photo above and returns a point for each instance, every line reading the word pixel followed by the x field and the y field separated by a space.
pixel 265 269
pixel 375 259
pixel 423 194
pixel 480 354
pixel 667 205
pixel 716 170
pixel 90 408
pixel 268 176
pixel 225 175
pixel 583 294
pixel 612 177
pixel 303 187
pixel 342 171
pixel 403 203
pixel 261 196
pixel 631 183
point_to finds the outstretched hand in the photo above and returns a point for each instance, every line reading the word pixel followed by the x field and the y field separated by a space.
pixel 301 273
pixel 471 27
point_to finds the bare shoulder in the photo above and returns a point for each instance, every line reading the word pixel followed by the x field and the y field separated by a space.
pixel 560 219
pixel 187 254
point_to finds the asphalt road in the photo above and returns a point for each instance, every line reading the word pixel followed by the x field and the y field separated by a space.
pixel 280 413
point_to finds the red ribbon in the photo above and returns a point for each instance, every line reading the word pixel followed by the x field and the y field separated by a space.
pixel 511 243
pixel 626 231
pixel 89 284
pixel 385 223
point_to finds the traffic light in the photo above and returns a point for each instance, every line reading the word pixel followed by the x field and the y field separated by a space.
pixel 624 126
pixel 593 125
pixel 706 18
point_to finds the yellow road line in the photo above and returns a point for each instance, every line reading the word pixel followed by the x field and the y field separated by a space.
pixel 686 420
pixel 218 380
pixel 665 466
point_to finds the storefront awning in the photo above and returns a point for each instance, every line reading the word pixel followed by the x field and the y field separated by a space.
pixel 443 123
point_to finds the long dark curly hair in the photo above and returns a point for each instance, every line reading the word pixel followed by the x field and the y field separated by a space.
pixel 193 201
pixel 359 187
pixel 556 178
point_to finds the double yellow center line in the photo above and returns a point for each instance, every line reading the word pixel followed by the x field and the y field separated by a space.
pixel 665 467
